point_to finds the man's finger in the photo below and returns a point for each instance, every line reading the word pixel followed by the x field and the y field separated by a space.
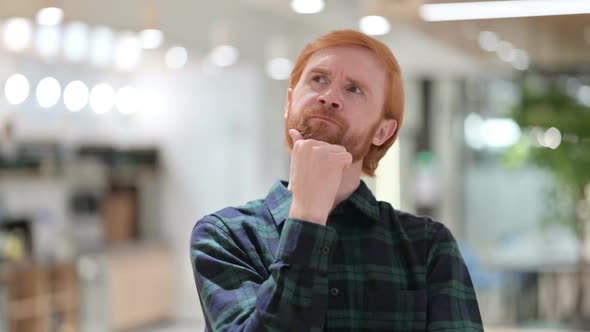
pixel 329 147
pixel 342 158
pixel 347 157
pixel 337 148
pixel 295 135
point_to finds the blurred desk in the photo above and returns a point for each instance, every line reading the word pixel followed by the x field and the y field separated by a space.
pixel 122 288
pixel 541 255
pixel 39 296
pixel 140 285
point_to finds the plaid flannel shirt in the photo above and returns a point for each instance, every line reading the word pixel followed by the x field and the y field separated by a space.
pixel 371 268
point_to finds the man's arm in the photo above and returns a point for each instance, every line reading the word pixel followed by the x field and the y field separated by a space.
pixel 452 303
pixel 235 297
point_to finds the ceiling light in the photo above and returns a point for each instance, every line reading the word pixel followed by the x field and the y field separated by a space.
pixel 151 38
pixel 488 41
pixel 505 51
pixel 17 33
pixel 500 133
pixel 76 96
pixel 102 98
pixel 48 92
pixel 76 41
pixel 48 40
pixel 375 25
pixel 176 57
pixel 472 128
pixel 502 9
pixel 16 89
pixel 127 51
pixel 307 6
pixel 521 60
pixel 552 138
pixel 279 68
pixel 50 16
pixel 101 46
pixel 491 133
pixel 224 56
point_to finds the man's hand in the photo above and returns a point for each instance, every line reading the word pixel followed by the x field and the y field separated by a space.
pixel 316 173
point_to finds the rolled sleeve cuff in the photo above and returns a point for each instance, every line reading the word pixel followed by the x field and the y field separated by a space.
pixel 306 244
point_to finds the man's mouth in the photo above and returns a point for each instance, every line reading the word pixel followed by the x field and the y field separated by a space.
pixel 321 118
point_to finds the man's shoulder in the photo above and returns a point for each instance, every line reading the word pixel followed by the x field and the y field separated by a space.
pixel 246 232
pixel 412 226
pixel 253 214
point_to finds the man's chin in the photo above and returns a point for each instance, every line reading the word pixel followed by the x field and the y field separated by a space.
pixel 325 138
pixel 324 132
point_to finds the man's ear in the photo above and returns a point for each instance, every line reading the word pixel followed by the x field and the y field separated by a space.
pixel 289 99
pixel 386 129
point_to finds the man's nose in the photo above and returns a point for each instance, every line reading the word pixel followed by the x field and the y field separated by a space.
pixel 329 99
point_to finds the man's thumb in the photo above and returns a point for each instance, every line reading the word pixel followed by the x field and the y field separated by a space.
pixel 295 135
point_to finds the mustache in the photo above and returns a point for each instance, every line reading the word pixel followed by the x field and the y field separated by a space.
pixel 324 112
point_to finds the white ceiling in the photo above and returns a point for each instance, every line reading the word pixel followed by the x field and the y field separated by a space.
pixel 419 45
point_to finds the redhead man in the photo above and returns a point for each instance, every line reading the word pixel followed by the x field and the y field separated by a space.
pixel 320 253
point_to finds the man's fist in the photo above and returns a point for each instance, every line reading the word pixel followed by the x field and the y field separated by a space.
pixel 316 173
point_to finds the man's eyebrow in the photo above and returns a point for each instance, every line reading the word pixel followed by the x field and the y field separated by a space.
pixel 323 71
pixel 318 70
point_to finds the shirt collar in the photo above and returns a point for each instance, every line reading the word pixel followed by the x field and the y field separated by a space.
pixel 279 200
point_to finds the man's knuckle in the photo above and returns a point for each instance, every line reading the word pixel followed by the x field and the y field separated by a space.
pixel 298 145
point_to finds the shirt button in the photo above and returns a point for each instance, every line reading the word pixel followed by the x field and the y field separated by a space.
pixel 325 250
pixel 334 291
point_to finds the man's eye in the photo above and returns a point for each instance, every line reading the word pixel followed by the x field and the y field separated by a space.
pixel 319 79
pixel 356 90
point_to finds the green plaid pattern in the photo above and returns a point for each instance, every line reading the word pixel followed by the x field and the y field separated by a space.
pixel 371 268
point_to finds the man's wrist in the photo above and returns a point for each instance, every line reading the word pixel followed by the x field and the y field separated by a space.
pixel 307 214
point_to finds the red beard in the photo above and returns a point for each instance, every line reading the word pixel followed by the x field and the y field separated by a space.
pixel 310 127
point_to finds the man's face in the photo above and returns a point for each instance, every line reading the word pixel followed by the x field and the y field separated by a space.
pixel 339 99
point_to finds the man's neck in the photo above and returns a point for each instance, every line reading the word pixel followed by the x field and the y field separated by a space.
pixel 351 179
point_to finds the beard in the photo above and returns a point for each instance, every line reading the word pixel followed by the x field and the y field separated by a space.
pixel 358 145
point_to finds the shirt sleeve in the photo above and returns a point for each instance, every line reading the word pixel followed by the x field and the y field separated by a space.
pixel 452 303
pixel 235 297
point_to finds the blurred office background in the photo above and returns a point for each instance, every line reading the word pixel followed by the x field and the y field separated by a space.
pixel 124 122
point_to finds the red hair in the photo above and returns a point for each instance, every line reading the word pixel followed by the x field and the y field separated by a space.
pixel 393 107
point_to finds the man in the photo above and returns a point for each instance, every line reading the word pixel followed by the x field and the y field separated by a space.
pixel 319 253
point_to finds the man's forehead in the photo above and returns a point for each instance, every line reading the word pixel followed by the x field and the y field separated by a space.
pixel 357 63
